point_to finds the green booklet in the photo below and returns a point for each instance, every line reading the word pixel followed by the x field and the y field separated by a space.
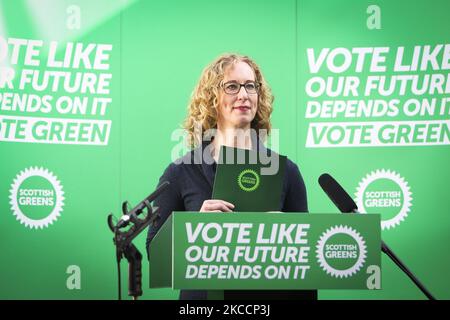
pixel 251 180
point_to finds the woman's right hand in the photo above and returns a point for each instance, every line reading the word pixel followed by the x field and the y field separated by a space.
pixel 216 205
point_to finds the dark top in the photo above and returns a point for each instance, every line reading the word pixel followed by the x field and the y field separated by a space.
pixel 191 183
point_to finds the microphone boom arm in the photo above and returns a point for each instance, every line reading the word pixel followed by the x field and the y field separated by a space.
pixel 345 204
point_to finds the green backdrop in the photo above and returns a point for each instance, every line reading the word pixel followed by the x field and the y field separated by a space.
pixel 158 52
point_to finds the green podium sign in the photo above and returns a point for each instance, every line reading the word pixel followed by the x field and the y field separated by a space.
pixel 255 250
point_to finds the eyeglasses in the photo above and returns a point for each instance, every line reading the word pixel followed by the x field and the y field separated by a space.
pixel 233 87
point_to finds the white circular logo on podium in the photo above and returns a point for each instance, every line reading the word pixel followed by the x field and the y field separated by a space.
pixel 341 251
pixel 36 197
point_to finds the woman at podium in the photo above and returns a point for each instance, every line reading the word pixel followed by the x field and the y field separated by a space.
pixel 230 106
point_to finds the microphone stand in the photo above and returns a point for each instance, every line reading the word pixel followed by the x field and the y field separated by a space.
pixel 123 240
pixel 345 204
pixel 385 248
pixel 125 248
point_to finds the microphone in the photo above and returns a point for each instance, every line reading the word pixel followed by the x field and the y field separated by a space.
pixel 133 213
pixel 337 194
pixel 345 204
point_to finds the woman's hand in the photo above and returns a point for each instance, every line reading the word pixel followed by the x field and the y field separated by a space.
pixel 215 205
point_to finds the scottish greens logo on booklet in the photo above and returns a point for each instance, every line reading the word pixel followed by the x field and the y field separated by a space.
pixel 248 180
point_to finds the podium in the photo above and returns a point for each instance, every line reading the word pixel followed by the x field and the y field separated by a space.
pixel 266 251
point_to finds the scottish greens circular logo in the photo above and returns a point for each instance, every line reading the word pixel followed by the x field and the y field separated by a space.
pixel 387 193
pixel 36 197
pixel 341 251
pixel 248 180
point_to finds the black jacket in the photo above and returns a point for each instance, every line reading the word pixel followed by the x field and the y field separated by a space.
pixel 191 183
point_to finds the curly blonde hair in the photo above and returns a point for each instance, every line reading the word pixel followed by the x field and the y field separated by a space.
pixel 204 102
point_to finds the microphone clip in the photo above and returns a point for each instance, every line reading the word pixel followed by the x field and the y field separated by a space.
pixel 123 237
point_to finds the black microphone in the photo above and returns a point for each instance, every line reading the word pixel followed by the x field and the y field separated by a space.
pixel 345 204
pixel 337 194
pixel 133 213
